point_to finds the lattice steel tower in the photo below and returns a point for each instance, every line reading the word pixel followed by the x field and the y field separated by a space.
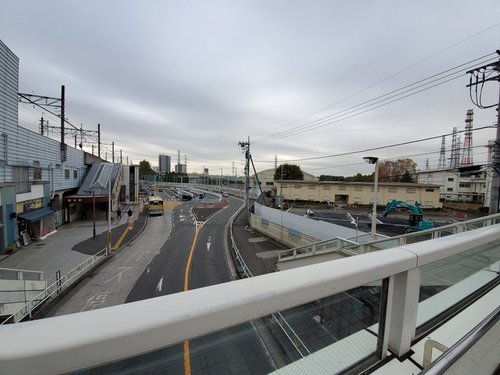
pixel 467 155
pixel 442 155
pixel 455 149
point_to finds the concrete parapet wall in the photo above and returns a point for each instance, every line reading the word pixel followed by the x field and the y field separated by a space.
pixel 295 230
pixel 282 234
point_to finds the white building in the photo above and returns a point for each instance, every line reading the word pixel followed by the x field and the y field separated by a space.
pixel 470 184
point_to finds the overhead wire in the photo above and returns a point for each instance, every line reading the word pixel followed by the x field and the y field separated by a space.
pixel 384 147
pixel 379 101
pixel 399 72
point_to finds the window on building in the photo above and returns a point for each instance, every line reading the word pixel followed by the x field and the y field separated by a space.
pixel 429 189
pixel 66 174
pixel 392 189
pixel 411 190
pixel 20 176
pixel 342 187
pixel 297 186
pixel 449 189
pixel 358 188
pixel 37 171
pixel 75 174
pixel 450 179
pixel 311 187
pixel 269 183
pixel 327 187
pixel 464 184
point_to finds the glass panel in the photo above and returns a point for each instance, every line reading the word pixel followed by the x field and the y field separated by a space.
pixel 8 274
pixel 336 332
pixel 448 281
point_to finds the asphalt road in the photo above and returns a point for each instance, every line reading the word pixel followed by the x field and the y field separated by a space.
pixel 111 283
pixel 165 273
pixel 236 349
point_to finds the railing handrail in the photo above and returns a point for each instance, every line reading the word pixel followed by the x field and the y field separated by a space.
pixel 488 220
pixel 55 288
pixel 109 334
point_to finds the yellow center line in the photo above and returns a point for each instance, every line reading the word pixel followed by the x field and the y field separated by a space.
pixel 187 360
pixel 122 237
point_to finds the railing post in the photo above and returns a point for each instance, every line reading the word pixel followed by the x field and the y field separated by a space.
pixel 402 308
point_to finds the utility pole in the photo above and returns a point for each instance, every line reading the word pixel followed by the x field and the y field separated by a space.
pixel 63 145
pixel 246 148
pixel 482 75
pixel 99 140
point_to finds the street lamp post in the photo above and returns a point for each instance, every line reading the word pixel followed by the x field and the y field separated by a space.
pixel 109 216
pixel 93 213
pixel 374 160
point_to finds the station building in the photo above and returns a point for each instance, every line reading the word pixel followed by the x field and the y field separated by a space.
pixel 38 173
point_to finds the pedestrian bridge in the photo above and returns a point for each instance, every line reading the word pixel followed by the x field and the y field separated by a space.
pixel 377 306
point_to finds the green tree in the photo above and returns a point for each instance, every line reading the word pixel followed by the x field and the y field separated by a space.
pixel 407 177
pixel 324 177
pixel 290 172
pixel 145 169
pixel 360 178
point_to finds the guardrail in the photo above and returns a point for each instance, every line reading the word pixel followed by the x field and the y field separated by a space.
pixel 56 288
pixel 352 247
pixel 110 334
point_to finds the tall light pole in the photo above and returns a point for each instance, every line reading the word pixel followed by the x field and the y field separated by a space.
pixel 374 160
pixel 109 215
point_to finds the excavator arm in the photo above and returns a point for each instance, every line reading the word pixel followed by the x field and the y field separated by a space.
pixel 415 209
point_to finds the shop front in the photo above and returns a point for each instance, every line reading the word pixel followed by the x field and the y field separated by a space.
pixel 35 224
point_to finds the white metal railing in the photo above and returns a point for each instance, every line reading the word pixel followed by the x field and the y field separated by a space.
pixel 351 245
pixel 114 333
pixel 56 288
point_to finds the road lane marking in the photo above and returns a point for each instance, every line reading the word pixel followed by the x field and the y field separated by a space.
pixel 187 360
pixel 95 302
pixel 122 237
pixel 119 275
pixel 160 285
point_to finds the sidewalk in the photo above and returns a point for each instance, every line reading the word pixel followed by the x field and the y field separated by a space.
pixel 73 243
pixel 260 253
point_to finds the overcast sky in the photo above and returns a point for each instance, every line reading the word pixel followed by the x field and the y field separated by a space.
pixel 200 76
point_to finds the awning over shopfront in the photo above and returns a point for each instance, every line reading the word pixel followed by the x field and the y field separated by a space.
pixel 36 215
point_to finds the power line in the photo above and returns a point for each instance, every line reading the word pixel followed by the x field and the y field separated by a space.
pixel 382 147
pixel 395 74
pixel 379 101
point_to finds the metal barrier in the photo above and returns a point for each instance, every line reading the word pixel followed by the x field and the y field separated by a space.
pixel 57 287
pixel 278 318
pixel 110 334
pixel 352 247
